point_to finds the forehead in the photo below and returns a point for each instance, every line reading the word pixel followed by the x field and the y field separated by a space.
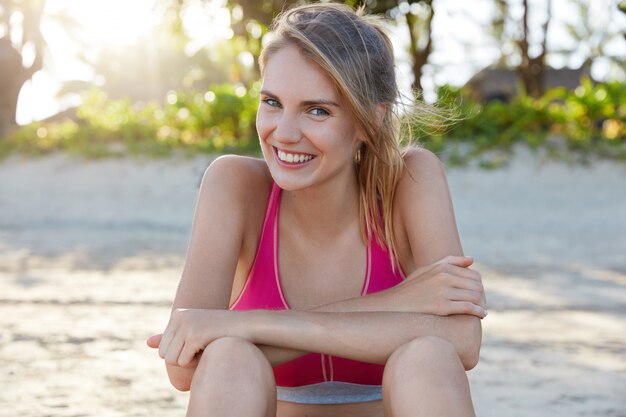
pixel 289 73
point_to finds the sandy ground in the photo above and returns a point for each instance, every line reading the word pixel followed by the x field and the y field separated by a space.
pixel 90 253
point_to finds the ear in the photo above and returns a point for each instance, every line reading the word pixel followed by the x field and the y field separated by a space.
pixel 381 111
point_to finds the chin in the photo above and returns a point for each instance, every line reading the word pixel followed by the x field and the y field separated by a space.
pixel 290 184
pixel 289 179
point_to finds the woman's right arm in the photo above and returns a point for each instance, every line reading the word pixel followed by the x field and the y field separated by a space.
pixel 217 236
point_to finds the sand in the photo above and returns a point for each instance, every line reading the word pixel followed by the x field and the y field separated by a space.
pixel 91 251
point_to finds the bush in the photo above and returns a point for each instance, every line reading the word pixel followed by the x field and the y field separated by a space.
pixel 218 120
pixel 590 120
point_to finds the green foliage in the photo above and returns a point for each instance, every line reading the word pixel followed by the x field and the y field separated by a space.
pixel 589 121
pixel 565 124
pixel 218 120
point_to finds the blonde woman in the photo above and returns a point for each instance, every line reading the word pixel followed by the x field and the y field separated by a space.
pixel 326 279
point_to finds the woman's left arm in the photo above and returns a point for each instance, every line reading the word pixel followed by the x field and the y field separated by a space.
pixel 370 328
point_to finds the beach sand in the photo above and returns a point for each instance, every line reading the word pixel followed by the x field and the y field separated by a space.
pixel 91 251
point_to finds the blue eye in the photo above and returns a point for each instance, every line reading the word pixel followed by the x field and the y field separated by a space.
pixel 318 111
pixel 271 102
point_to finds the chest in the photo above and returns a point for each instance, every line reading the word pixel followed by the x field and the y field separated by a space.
pixel 316 273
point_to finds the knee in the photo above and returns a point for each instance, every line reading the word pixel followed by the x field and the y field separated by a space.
pixel 233 357
pixel 421 355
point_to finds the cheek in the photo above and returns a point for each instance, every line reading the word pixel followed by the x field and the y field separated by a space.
pixel 262 124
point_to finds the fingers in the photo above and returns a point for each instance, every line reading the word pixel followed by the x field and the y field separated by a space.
pixel 474 297
pixel 172 356
pixel 459 277
pixel 442 265
pixel 175 346
pixel 463 261
pixel 154 341
pixel 466 307
pixel 466 283
pixel 187 356
pixel 467 292
pixel 460 271
pixel 166 339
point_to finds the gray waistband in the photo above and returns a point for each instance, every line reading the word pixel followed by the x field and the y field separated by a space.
pixel 332 392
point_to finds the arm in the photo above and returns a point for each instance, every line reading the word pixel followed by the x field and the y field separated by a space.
pixel 345 328
pixel 216 241
pixel 390 314
pixel 397 313
pixel 349 335
pixel 427 218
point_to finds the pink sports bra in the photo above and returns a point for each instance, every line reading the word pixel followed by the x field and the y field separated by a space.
pixel 262 290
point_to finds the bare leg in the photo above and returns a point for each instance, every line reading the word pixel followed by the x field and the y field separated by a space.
pixel 233 378
pixel 425 378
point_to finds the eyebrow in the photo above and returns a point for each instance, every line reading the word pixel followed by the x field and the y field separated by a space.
pixel 321 101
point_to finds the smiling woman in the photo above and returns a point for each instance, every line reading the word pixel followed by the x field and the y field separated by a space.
pixel 326 279
pixel 299 100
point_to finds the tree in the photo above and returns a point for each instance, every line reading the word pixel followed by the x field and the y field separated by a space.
pixel 20 41
pixel 591 36
pixel 532 68
pixel 418 17
pixel 252 18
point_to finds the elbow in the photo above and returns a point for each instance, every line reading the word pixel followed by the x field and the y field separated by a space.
pixel 470 342
pixel 470 359
pixel 183 386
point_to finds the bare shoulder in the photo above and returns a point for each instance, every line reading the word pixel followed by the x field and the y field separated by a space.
pixel 230 203
pixel 237 175
pixel 236 170
pixel 424 210
pixel 420 166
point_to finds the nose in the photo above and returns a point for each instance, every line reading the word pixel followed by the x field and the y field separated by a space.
pixel 287 129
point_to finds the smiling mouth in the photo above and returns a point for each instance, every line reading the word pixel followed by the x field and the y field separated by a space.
pixel 293 158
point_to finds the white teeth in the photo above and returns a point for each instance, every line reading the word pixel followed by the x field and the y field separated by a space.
pixel 293 158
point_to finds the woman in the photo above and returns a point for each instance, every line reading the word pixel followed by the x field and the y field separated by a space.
pixel 293 300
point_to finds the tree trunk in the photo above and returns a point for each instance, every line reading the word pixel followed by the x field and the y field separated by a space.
pixel 13 77
pixel 419 57
pixel 14 74
pixel 532 69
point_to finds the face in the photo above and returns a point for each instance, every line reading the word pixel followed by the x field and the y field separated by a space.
pixel 307 135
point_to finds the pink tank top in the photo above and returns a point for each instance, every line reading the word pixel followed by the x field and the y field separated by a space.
pixel 263 290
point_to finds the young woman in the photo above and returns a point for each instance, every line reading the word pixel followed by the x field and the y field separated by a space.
pixel 326 279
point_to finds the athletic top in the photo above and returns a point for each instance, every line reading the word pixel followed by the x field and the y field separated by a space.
pixel 263 290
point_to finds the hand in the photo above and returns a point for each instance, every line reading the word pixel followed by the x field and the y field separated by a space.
pixel 444 288
pixel 155 340
pixel 189 331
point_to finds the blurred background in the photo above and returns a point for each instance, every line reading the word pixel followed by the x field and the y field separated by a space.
pixel 151 76
pixel 110 111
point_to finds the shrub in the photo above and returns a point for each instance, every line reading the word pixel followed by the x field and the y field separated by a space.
pixel 590 120
pixel 218 120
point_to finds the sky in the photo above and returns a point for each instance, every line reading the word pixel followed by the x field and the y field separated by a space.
pixel 457 55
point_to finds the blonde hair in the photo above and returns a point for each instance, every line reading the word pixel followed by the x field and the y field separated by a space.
pixel 354 50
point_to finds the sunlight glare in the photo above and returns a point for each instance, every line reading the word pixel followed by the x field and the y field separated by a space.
pixel 206 23
pixel 113 22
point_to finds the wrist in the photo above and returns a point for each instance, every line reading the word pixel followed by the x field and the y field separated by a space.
pixel 252 323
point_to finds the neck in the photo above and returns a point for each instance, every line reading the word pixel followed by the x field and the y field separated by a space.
pixel 324 211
